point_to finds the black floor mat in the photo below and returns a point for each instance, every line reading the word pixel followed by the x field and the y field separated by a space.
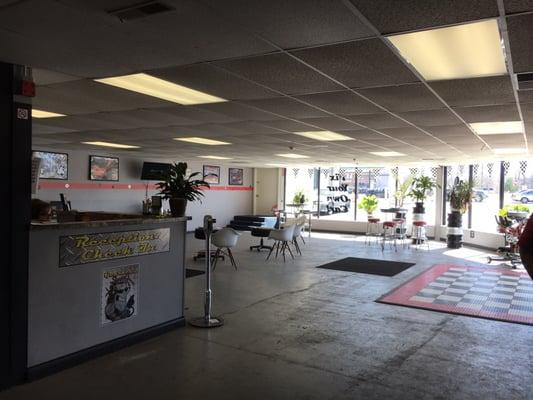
pixel 368 266
pixel 189 273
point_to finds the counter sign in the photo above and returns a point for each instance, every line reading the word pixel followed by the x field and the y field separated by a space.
pixel 90 248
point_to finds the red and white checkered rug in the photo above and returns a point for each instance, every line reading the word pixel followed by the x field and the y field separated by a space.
pixel 493 293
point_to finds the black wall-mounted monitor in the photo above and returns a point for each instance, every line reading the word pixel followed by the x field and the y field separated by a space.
pixel 153 171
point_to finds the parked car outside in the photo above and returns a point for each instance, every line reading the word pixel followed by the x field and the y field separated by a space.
pixel 479 195
pixel 523 196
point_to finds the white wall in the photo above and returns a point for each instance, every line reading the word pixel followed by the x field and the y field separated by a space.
pixel 221 202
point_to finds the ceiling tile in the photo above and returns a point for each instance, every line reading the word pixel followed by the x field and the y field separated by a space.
pixel 357 64
pixel 237 111
pixel 525 96
pixel 475 91
pixel 411 97
pixel 330 123
pixel 517 6
pixel 287 107
pixel 295 23
pixel 378 121
pixel 527 111
pixel 505 140
pixel 343 102
pixel 110 47
pixel 215 81
pixel 391 16
pixel 280 72
pixel 444 132
pixel 508 112
pixel 431 117
pixel 520 30
pixel 86 96
pixel 289 125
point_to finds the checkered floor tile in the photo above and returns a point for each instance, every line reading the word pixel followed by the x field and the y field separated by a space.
pixel 500 294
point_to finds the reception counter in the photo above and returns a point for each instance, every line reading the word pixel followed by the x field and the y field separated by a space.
pixel 100 284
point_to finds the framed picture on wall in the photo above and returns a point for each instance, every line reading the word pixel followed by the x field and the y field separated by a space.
pixel 53 165
pixel 102 168
pixel 212 174
pixel 235 176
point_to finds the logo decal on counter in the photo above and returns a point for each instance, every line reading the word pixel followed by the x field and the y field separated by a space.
pixel 120 289
pixel 89 248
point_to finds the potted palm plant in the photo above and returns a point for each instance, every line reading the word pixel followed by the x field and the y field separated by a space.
pixel 421 188
pixel 179 188
pixel 460 199
pixel 369 204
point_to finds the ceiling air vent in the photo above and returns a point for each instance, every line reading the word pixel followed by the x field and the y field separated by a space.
pixel 525 81
pixel 140 10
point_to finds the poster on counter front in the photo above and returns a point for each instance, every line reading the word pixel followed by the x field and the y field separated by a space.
pixel 120 293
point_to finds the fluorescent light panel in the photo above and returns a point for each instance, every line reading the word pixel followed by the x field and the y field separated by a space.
pixel 152 86
pixel 461 51
pixel 199 140
pixel 216 157
pixel 114 145
pixel 387 153
pixel 44 114
pixel 509 150
pixel 326 136
pixel 498 128
pixel 292 155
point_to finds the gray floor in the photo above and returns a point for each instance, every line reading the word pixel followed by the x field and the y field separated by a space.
pixel 296 332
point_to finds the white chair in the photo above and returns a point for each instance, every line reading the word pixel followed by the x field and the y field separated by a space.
pixel 225 239
pixel 298 229
pixel 282 238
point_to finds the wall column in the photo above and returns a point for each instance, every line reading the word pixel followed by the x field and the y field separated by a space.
pixel 15 164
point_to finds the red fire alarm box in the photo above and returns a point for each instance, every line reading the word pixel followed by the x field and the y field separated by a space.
pixel 27 88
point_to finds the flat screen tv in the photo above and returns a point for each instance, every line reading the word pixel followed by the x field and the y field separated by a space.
pixel 153 171
pixel 103 168
pixel 53 165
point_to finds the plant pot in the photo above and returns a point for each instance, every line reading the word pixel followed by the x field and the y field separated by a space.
pixel 419 208
pixel 177 206
pixel 455 230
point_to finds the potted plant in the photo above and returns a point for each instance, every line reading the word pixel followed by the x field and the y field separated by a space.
pixel 421 188
pixel 369 204
pixel 299 198
pixel 515 211
pixel 179 188
pixel 403 191
pixel 460 199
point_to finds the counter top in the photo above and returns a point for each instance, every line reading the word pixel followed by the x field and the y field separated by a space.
pixel 112 222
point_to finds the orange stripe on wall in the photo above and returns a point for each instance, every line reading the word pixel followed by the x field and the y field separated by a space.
pixel 121 186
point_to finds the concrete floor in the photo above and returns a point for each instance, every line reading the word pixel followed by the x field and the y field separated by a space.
pixel 296 332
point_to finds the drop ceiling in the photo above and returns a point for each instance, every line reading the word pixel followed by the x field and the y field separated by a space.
pixel 284 67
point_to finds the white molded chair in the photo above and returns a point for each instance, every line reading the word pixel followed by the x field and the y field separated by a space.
pixel 225 239
pixel 282 238
pixel 298 229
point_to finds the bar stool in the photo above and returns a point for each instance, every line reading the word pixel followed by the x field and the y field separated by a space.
pixel 419 234
pixel 401 231
pixel 389 233
pixel 372 230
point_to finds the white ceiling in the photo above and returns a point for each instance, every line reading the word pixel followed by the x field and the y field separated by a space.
pixel 284 66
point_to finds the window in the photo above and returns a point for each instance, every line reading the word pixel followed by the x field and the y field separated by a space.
pixel 375 181
pixel 518 182
pixel 301 180
pixel 486 196
pixel 337 193
pixel 409 173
